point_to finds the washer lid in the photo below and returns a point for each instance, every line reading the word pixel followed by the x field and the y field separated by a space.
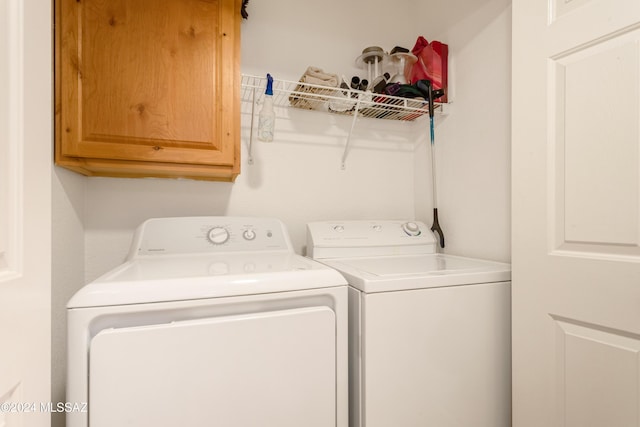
pixel 187 277
pixel 394 273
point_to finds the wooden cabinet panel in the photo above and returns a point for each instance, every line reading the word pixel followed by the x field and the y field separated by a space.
pixel 148 87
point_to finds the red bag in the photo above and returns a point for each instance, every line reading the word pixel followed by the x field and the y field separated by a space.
pixel 432 64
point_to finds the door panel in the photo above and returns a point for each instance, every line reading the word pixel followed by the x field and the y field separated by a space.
pixel 576 213
pixel 10 70
pixel 593 367
pixel 595 156
pixel 268 369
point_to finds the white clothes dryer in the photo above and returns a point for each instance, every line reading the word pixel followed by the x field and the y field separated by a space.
pixel 211 321
pixel 429 333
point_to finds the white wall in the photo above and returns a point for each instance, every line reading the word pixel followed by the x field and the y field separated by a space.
pixel 296 178
pixel 283 37
pixel 68 202
pixel 473 141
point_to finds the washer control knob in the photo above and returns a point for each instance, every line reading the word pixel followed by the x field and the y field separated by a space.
pixel 411 228
pixel 249 234
pixel 218 235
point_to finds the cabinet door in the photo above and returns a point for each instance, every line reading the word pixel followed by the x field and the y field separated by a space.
pixel 148 88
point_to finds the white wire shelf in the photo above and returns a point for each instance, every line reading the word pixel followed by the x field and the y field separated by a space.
pixel 335 100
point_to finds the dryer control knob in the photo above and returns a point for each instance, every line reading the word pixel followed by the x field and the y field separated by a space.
pixel 249 234
pixel 411 228
pixel 218 235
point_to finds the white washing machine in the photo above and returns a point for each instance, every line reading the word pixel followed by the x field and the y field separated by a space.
pixel 212 321
pixel 429 333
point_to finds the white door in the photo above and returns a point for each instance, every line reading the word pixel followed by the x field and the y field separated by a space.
pixel 25 211
pixel 576 213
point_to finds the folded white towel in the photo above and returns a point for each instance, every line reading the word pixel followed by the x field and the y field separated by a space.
pixel 312 98
pixel 316 76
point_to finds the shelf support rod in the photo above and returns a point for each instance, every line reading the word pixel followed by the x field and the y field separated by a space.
pixel 353 124
pixel 253 106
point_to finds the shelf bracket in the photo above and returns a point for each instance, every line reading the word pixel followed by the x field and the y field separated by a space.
pixel 253 106
pixel 353 125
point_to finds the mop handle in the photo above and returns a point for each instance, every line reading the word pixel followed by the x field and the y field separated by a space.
pixel 433 163
pixel 436 224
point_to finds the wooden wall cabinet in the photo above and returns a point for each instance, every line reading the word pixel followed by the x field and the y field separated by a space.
pixel 148 88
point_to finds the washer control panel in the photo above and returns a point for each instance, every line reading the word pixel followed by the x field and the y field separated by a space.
pixel 363 238
pixel 216 234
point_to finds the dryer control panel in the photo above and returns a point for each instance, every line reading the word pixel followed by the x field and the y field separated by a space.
pixel 337 239
pixel 213 234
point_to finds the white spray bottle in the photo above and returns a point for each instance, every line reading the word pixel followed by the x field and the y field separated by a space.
pixel 267 117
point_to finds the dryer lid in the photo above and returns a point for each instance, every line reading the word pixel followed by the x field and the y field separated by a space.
pixel 180 278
